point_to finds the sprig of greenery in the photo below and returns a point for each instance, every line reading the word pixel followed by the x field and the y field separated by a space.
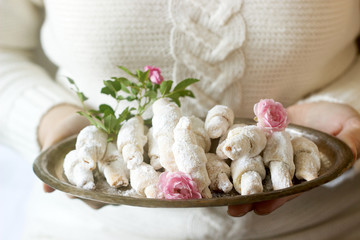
pixel 143 91
pixel 104 118
pixel 178 91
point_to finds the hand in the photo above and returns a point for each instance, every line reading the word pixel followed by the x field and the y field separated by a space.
pixel 260 208
pixel 61 122
pixel 337 119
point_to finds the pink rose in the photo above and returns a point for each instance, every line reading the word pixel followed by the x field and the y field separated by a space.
pixel 154 74
pixel 178 185
pixel 271 115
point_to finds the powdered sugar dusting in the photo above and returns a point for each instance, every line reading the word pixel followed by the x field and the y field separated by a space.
pixel 103 187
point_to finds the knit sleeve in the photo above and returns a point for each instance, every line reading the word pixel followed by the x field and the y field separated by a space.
pixel 26 90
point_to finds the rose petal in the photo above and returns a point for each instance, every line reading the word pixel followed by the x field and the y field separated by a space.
pixel 178 185
pixel 271 115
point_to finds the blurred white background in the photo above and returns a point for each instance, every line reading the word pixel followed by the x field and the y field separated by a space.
pixel 16 182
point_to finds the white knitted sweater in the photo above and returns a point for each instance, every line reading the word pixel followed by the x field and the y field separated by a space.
pixel 242 50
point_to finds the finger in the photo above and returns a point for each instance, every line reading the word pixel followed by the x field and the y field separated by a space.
pixel 47 188
pixel 350 134
pixel 267 207
pixel 93 204
pixel 90 203
pixel 239 210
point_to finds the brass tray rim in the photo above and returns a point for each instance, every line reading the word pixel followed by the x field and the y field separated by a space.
pixel 43 174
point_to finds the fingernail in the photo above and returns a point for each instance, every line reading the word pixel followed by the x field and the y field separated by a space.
pixel 262 213
pixel 48 189
pixel 236 214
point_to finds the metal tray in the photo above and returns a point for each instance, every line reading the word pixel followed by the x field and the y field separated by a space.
pixel 336 159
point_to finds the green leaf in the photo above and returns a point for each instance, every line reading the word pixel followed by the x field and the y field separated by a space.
pixel 139 75
pixel 151 94
pixel 143 76
pixel 185 83
pixel 94 112
pixel 123 115
pixel 110 89
pixel 81 96
pixel 165 87
pixel 176 100
pixel 134 90
pixel 173 94
pixel 70 80
pixel 107 91
pixel 124 88
pixel 119 98
pixel 148 122
pixel 149 85
pixel 110 122
pixel 127 71
pixel 106 109
pixel 97 123
pixel 140 110
pixel 186 93
pixel 155 87
pixel 113 87
pixel 124 81
pixel 130 98
pixel 174 97
pixel 116 85
pixel 182 93
pixel 130 116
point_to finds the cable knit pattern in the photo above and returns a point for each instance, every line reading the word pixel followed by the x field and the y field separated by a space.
pixel 206 43
pixel 307 36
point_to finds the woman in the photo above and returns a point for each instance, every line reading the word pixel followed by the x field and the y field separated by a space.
pixel 241 50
